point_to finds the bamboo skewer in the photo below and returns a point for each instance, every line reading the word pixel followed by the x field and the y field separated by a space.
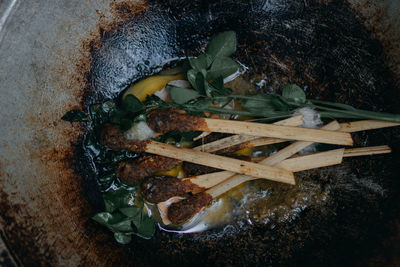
pixel 278 131
pixel 209 180
pixel 212 179
pixel 238 139
pixel 357 126
pixel 253 141
pixel 295 164
pixel 364 151
pixel 220 162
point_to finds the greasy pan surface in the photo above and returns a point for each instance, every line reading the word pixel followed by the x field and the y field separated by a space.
pixel 321 45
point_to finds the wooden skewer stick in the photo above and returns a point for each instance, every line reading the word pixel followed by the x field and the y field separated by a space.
pixel 364 151
pixel 302 163
pixel 220 162
pixel 349 127
pixel 209 180
pixel 357 126
pixel 278 131
pixel 238 139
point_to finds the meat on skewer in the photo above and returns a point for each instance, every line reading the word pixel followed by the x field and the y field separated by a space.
pixel 212 179
pixel 145 166
pixel 133 172
pixel 112 137
pixel 165 120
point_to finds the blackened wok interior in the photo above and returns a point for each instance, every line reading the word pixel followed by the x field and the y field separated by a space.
pixel 323 46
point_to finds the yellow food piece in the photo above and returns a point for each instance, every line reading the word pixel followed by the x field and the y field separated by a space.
pixel 244 152
pixel 151 85
pixel 175 172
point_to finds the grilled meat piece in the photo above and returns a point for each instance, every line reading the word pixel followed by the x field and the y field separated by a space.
pixel 182 211
pixel 166 120
pixel 147 165
pixel 157 189
pixel 112 137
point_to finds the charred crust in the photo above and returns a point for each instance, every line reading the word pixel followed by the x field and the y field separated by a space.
pixel 166 120
pixel 112 137
pixel 182 211
pixel 160 188
pixel 192 169
pixel 147 165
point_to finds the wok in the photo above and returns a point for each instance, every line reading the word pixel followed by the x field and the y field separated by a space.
pixel 57 55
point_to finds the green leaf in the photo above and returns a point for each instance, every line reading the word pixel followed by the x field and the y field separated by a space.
pixel 75 115
pixel 143 222
pixel 213 91
pixel 222 66
pixel 182 95
pixel 153 101
pixel 202 104
pixel 208 88
pixel 123 238
pixel 294 93
pixel 218 83
pixel 121 118
pixel 146 228
pixel 222 45
pixel 264 104
pixel 99 113
pixel 203 61
pixel 131 212
pixel 122 226
pixel 132 104
pixel 119 198
pixel 200 83
pixel 92 145
pixel 191 76
pixel 107 218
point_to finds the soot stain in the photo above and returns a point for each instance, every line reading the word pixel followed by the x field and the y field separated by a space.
pixel 323 47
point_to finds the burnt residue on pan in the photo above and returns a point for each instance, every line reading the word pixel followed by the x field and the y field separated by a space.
pixel 318 44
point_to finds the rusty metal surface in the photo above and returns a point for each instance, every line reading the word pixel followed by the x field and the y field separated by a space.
pixel 44 210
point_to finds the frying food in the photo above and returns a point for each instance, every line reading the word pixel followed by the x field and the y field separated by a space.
pixel 144 138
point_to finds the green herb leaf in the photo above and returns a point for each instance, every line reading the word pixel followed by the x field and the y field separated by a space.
pixel 143 223
pixel 294 93
pixel 121 118
pixel 131 212
pixel 124 225
pixel 146 227
pixel 218 83
pixel 123 238
pixel 208 88
pixel 120 198
pixel 132 104
pixel 222 66
pixel 264 104
pixel 201 104
pixel 99 113
pixel 182 95
pixel 222 45
pixel 191 76
pixel 203 61
pixel 200 83
pixel 75 115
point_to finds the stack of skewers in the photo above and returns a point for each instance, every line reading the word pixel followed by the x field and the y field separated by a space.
pixel 178 200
